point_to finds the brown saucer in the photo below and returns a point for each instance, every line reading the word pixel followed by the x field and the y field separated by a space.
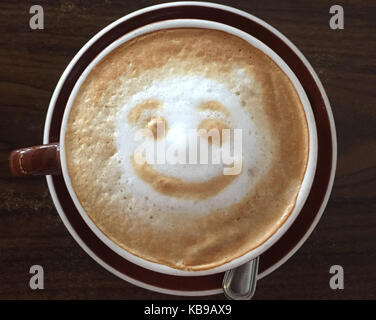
pixel 314 206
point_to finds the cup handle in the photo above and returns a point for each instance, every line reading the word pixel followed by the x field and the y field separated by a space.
pixel 35 161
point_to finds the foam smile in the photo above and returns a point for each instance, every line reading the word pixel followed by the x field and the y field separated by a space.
pixel 176 187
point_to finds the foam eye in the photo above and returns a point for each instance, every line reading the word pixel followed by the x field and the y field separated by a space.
pixel 158 127
pixel 143 115
pixel 211 129
pixel 214 106
pixel 141 110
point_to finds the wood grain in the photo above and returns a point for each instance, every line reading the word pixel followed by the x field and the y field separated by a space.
pixel 31 231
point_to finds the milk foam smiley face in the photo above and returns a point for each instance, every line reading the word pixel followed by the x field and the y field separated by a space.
pixel 182 137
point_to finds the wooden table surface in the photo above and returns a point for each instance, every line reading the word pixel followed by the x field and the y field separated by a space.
pixel 31 232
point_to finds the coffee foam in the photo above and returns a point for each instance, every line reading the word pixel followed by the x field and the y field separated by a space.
pixel 188 216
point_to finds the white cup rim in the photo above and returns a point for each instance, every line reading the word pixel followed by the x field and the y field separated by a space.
pixel 307 180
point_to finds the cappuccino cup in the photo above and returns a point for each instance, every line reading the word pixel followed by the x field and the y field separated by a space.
pixel 182 217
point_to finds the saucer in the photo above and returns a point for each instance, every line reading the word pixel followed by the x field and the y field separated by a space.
pixel 314 206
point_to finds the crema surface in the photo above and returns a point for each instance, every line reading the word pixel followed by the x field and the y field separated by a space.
pixel 184 214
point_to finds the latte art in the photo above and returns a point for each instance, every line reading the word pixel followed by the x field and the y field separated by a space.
pixel 187 104
pixel 187 147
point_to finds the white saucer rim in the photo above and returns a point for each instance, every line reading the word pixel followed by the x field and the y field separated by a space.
pixel 328 109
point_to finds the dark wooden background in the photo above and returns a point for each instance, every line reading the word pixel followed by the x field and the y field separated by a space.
pixel 31 231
